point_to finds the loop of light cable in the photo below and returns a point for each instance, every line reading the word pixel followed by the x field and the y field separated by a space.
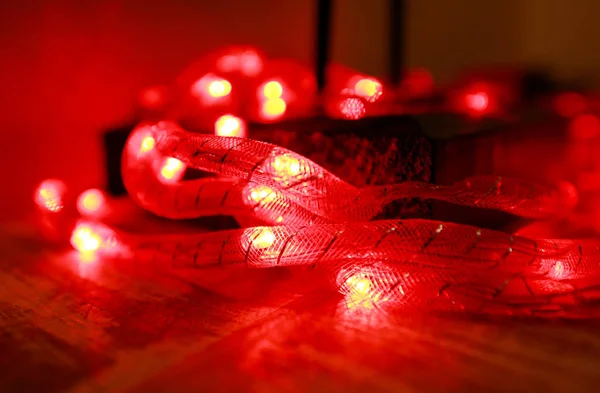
pixel 313 218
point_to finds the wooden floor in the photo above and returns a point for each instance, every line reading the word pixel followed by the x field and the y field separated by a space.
pixel 70 326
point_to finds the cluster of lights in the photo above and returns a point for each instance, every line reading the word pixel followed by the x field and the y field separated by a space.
pixel 272 104
pixel 274 97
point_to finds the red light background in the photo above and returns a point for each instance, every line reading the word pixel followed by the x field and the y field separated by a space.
pixel 70 69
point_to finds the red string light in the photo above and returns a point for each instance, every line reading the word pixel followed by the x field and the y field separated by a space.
pixel 319 220
pixel 49 195
pixel 91 202
pixel 313 218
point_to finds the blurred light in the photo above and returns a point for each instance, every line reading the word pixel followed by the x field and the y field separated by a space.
pixel 228 63
pixel 230 125
pixel 272 89
pixel 250 63
pixel 419 82
pixel 558 271
pixel 368 88
pixel 569 194
pixel 153 97
pixel 219 88
pixel 273 108
pixel 211 86
pixel 264 239
pixel 570 104
pixel 85 238
pixel 90 202
pixel 50 194
pixel 352 108
pixel 257 194
pixel 147 145
pixel 172 169
pixel 584 127
pixel 285 166
pixel 477 102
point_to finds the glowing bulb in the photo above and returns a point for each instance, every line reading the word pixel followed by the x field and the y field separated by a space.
pixel 49 195
pixel 229 125
pixel 172 169
pixel 228 63
pixel 153 97
pixel 368 88
pixel 250 63
pixel 477 102
pixel 219 88
pixel 286 166
pixel 90 202
pixel 352 108
pixel 210 87
pixel 272 89
pixel 259 194
pixel 264 239
pixel 359 285
pixel 85 239
pixel 558 271
pixel 273 108
pixel 147 145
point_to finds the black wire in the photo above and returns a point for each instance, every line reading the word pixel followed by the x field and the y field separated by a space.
pixel 397 32
pixel 323 38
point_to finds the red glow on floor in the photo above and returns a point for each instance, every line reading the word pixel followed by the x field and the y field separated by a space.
pixel 584 127
pixel 352 108
pixel 91 202
pixel 570 104
pixel 230 125
pixel 50 194
pixel 172 169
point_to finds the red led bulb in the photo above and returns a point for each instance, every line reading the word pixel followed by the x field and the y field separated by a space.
pixel 50 195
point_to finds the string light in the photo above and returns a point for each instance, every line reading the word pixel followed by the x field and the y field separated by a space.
pixel 86 239
pixel 477 102
pixel 273 108
pixel 436 251
pixel 50 195
pixel 211 87
pixel 272 89
pixel 352 108
pixel 285 167
pixel 230 125
pixel 250 63
pixel 368 88
pixel 172 169
pixel 91 202
pixel 256 194
pixel 264 239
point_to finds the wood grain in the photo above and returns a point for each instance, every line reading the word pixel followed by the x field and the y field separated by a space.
pixel 68 326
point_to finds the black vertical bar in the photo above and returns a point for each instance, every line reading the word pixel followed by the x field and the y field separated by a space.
pixel 322 40
pixel 396 35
